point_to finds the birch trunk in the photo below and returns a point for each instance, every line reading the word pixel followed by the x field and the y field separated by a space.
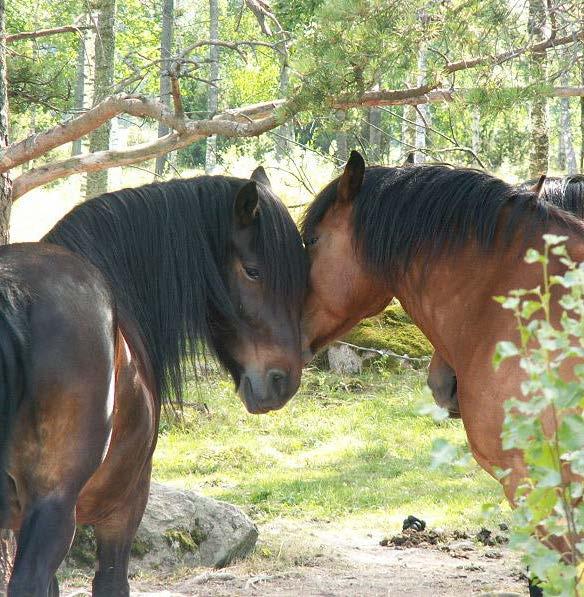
pixel 570 163
pixel 213 99
pixel 423 111
pixel 538 156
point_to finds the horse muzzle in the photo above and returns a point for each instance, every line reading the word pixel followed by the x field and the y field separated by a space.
pixel 267 392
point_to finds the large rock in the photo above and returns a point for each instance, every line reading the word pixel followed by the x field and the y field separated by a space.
pixel 180 527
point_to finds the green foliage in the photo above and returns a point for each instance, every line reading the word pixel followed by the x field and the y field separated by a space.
pixel 550 499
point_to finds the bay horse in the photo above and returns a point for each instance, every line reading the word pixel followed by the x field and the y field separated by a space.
pixel 57 367
pixel 566 193
pixel 444 241
pixel 214 261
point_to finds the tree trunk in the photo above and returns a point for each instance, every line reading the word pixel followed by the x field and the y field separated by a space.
pixel 165 54
pixel 6 536
pixel 538 156
pixel 80 97
pixel 213 99
pixel 566 132
pixel 5 181
pixel 285 133
pixel 476 130
pixel 374 120
pixel 582 120
pixel 105 43
pixel 341 137
pixel 423 110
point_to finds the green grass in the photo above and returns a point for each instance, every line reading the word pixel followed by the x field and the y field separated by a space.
pixel 344 449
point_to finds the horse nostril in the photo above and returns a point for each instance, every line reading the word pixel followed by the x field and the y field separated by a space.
pixel 278 382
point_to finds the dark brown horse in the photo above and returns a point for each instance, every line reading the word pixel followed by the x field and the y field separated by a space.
pixel 566 193
pixel 57 366
pixel 212 261
pixel 444 241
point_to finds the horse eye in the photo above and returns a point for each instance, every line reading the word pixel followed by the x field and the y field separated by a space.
pixel 309 242
pixel 252 273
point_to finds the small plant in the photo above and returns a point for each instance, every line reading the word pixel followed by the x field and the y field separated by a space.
pixel 549 501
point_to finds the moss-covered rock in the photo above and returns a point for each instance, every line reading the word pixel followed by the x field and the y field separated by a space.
pixel 391 330
pixel 185 540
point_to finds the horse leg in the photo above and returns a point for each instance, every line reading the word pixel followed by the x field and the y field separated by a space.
pixel 534 590
pixel 44 539
pixel 114 536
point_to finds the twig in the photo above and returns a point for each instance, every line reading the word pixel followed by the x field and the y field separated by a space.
pixel 386 352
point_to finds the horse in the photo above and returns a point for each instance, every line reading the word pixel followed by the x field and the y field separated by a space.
pixel 566 193
pixel 213 262
pixel 444 241
pixel 58 345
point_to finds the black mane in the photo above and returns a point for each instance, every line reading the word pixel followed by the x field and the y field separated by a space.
pixel 165 249
pixel 401 213
pixel 565 192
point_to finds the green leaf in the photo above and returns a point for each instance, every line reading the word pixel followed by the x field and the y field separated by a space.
pixel 571 432
pixel 504 350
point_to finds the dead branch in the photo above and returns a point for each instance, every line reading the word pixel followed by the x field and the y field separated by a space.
pixel 10 38
pixel 102 160
pixel 542 46
pixel 244 122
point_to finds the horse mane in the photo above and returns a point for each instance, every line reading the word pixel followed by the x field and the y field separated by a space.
pixel 434 210
pixel 165 249
pixel 565 192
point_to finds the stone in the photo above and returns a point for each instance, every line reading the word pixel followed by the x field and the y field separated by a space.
pixel 344 360
pixel 180 527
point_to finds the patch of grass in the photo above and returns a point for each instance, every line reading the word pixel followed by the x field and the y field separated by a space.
pixel 332 454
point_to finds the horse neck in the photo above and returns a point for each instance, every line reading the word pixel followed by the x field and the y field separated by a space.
pixel 451 300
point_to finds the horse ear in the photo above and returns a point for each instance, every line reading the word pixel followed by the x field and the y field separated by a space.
pixel 245 209
pixel 410 159
pixel 259 175
pixel 352 178
pixel 538 186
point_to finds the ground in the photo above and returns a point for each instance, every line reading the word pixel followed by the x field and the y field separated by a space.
pixel 327 479
pixel 344 561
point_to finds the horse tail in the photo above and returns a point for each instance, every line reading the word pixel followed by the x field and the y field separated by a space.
pixel 14 351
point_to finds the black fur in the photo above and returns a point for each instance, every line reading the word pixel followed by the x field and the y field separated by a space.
pixel 165 249
pixel 402 213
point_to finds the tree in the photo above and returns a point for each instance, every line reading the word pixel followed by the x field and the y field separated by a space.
pixel 5 182
pixel 382 39
pixel 213 97
pixel 538 157
pixel 166 40
pixel 105 42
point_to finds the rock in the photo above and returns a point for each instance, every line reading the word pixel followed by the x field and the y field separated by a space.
pixel 461 545
pixel 343 359
pixel 180 527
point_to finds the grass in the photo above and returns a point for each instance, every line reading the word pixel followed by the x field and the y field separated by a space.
pixel 348 450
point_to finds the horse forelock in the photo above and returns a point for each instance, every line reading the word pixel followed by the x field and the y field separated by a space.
pixel 165 249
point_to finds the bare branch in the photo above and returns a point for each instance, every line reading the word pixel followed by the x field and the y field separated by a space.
pixel 93 162
pixel 542 46
pixel 244 122
pixel 12 37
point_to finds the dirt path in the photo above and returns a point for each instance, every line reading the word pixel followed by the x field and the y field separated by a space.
pixel 345 562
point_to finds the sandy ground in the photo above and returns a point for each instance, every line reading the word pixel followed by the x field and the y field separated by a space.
pixel 345 562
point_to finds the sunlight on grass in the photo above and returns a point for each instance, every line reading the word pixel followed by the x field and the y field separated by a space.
pixel 331 454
